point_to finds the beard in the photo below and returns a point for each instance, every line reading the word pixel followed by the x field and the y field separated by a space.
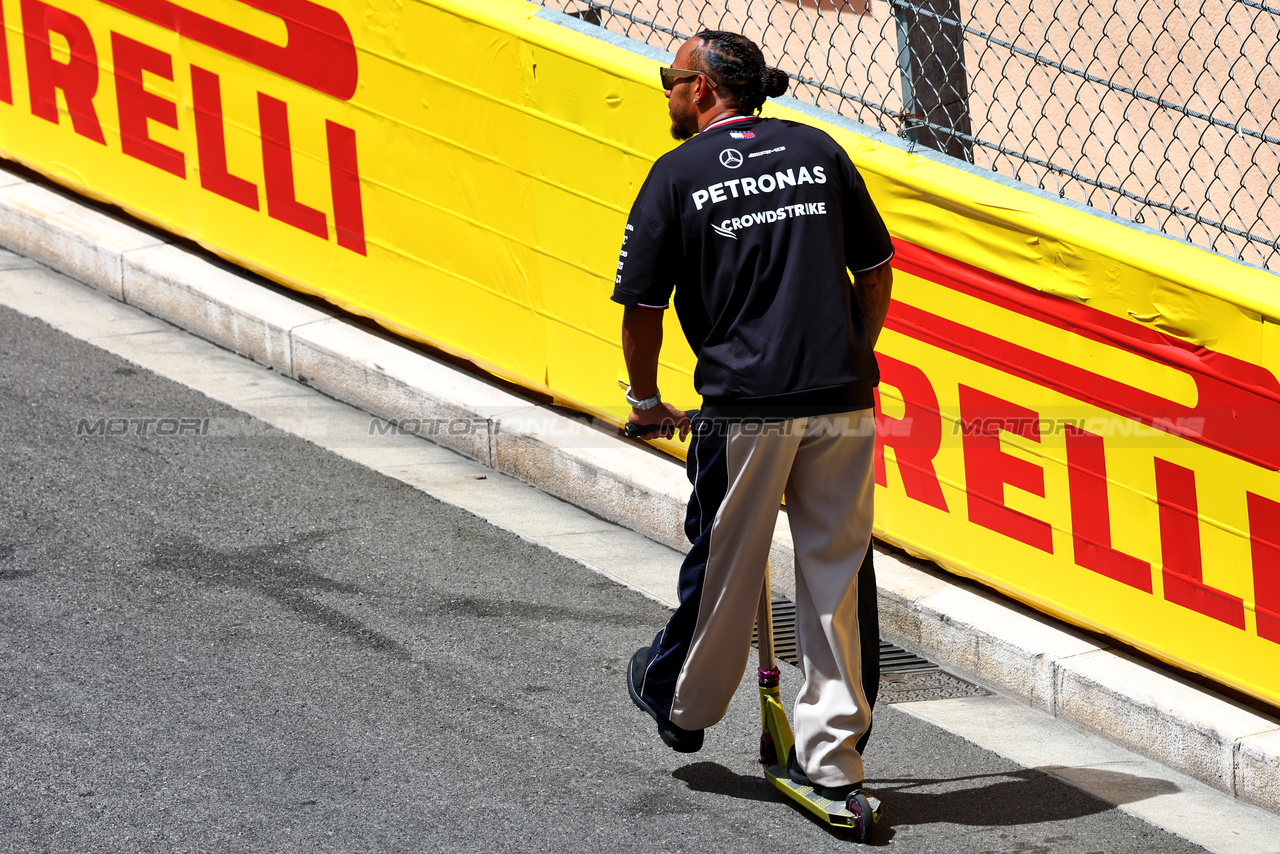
pixel 679 133
pixel 683 125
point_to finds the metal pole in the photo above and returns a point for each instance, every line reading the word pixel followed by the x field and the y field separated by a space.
pixel 764 626
pixel 935 88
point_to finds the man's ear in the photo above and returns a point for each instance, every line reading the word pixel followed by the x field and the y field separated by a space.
pixel 703 89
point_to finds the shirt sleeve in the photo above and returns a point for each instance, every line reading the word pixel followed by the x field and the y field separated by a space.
pixel 648 263
pixel 867 244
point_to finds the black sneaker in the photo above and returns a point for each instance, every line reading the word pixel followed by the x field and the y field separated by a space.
pixel 831 793
pixel 679 740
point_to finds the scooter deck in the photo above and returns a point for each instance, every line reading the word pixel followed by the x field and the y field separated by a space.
pixel 832 812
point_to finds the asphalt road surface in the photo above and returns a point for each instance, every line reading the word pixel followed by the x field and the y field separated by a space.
pixel 229 639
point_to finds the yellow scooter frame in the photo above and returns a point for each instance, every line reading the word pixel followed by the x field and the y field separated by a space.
pixel 859 813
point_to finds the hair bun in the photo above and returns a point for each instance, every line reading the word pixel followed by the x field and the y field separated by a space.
pixel 774 82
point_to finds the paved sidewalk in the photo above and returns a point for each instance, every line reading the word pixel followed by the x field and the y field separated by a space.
pixel 1014 651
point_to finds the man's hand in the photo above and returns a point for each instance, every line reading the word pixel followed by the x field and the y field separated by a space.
pixel 641 343
pixel 660 422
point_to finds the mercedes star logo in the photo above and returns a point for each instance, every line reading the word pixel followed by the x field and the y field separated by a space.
pixel 730 158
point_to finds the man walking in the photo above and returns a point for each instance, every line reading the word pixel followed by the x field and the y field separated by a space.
pixel 755 224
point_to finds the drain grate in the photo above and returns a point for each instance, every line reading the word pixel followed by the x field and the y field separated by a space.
pixel 784 631
pixel 895 659
pixel 934 684
pixel 904 676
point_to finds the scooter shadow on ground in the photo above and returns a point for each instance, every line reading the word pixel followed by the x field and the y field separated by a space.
pixel 715 779
pixel 1024 796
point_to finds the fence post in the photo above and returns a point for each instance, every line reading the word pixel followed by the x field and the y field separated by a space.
pixel 934 84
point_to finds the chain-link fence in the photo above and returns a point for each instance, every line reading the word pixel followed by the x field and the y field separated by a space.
pixel 1163 112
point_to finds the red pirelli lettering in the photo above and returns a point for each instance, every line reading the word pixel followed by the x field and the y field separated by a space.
pixel 916 437
pixel 277 167
pixel 987 468
pixel 1237 402
pixel 211 142
pixel 344 179
pixel 1091 513
pixel 137 105
pixel 1180 548
pixel 318 51
pixel 77 79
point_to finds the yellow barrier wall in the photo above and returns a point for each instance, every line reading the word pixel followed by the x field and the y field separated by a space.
pixel 1080 414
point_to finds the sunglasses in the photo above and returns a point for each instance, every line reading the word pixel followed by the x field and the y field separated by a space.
pixel 672 76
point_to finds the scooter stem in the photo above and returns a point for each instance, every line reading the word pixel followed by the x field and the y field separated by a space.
pixel 764 626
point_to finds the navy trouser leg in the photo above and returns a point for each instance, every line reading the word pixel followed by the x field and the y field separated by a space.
pixel 869 630
pixel 708 473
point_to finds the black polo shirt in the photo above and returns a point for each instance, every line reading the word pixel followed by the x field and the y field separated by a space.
pixel 755 223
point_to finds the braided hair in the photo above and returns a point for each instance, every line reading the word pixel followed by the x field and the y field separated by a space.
pixel 737 65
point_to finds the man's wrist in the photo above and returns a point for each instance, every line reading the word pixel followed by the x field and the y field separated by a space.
pixel 645 403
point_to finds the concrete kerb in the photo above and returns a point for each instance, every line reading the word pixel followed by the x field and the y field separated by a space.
pixel 68 236
pixel 981 637
pixel 572 461
pixel 215 304
pixel 419 394
pixel 1013 651
pixel 1257 764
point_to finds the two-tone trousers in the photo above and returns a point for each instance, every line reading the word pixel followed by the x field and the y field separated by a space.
pixel 740 471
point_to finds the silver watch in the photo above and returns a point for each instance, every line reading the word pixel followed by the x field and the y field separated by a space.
pixel 647 403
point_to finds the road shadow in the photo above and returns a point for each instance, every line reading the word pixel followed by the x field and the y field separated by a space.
pixel 715 779
pixel 1004 799
pixel 1115 787
pixel 275 570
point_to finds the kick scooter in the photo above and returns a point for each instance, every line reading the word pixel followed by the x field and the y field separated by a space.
pixel 858 812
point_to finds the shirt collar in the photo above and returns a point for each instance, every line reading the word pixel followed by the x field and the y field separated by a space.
pixel 728 120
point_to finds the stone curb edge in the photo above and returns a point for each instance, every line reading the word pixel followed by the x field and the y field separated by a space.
pixel 1010 649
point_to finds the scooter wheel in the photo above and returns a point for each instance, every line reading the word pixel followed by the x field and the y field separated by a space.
pixel 863 819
